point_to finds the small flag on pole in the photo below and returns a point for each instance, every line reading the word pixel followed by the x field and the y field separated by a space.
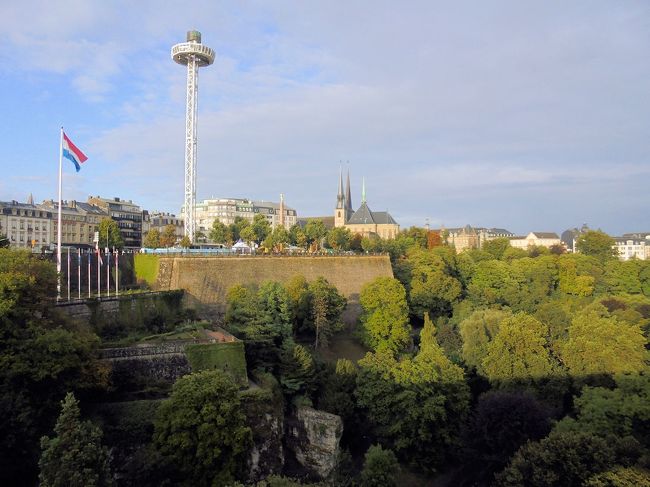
pixel 72 152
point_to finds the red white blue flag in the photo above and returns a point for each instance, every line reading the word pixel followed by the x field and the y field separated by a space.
pixel 72 152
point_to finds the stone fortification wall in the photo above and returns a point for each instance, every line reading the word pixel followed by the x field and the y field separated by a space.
pixel 206 280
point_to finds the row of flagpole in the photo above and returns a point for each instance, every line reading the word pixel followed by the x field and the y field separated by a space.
pixel 100 263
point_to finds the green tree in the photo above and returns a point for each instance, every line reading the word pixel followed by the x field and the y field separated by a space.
pixel 220 233
pixel 416 406
pixel 385 314
pixel 297 371
pixel 623 411
pixel 326 308
pixel 602 344
pixel 237 226
pixel 432 286
pixel 519 352
pixel 561 459
pixel 168 236
pixel 75 456
pixel 477 331
pixel 108 227
pixel 315 231
pixel 380 468
pixel 297 236
pixel 501 423
pixel 152 239
pixel 339 238
pixel 261 227
pixel 299 301
pixel 185 242
pixel 620 477
pixel 42 356
pixel 496 247
pixel 248 234
pixel 597 244
pixel 201 429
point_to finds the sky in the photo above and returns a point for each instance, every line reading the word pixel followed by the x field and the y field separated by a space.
pixel 524 115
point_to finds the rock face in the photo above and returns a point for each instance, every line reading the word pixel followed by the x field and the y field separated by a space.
pixel 313 437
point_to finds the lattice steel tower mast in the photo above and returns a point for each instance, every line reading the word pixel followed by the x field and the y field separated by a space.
pixel 194 55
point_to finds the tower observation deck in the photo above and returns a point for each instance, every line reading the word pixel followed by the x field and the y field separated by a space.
pixel 194 55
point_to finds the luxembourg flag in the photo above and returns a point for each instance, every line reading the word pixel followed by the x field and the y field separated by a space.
pixel 72 152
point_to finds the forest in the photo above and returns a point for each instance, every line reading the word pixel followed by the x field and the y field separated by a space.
pixel 495 366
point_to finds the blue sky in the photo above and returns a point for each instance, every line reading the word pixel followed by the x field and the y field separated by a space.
pixel 533 116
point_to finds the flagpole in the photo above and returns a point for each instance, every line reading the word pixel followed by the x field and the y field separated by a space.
pixel 58 230
pixel 99 274
pixel 117 271
pixel 108 274
pixel 68 252
pixel 79 273
pixel 89 259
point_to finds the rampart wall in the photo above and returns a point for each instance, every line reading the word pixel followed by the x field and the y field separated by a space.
pixel 206 280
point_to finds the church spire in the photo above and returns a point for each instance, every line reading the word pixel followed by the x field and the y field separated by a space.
pixel 340 197
pixel 363 190
pixel 348 194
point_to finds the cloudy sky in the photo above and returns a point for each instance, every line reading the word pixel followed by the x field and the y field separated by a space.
pixel 517 114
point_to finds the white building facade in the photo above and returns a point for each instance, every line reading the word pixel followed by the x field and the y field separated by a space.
pixel 26 225
pixel 227 209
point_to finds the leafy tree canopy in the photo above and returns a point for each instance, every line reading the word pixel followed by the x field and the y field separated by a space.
pixel 201 429
pixel 74 456
pixel 597 244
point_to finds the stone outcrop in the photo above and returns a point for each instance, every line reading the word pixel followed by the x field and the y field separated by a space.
pixel 313 436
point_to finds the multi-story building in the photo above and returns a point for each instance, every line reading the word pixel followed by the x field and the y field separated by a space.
pixel 364 221
pixel 570 236
pixel 469 237
pixel 26 225
pixel 160 220
pixel 227 209
pixel 633 246
pixel 128 216
pixel 79 222
pixel 535 239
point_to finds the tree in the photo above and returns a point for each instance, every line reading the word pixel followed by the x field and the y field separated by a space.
pixel 297 236
pixel 380 468
pixel 501 423
pixel 42 356
pixel 75 456
pixel 152 239
pixel 339 238
pixel 185 242
pixel 220 233
pixel 477 331
pixel 108 227
pixel 432 290
pixel 597 244
pixel 602 344
pixel 237 226
pixel 327 306
pixel 299 301
pixel 623 411
pixel 247 234
pixel 4 242
pixel 314 231
pixel 385 315
pixel 415 405
pixel 168 236
pixel 261 227
pixel 201 429
pixel 297 371
pixel 519 351
pixel 277 239
pixel 620 477
pixel 496 247
pixel 561 459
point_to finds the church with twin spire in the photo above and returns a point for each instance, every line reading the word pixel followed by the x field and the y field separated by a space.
pixel 363 221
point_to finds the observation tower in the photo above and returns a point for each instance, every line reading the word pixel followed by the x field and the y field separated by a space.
pixel 194 55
